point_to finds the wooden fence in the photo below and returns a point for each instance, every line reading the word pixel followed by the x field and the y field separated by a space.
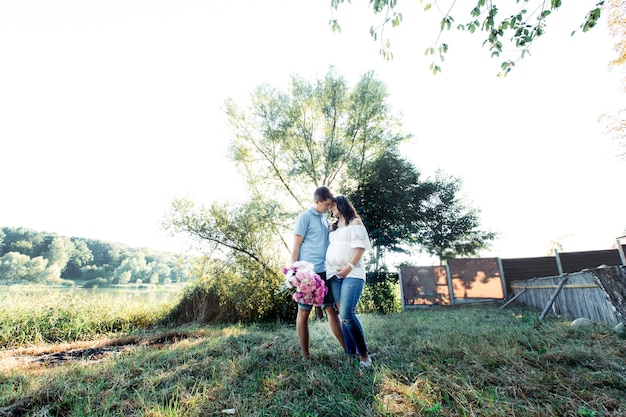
pixel 471 280
pixel 516 269
pixel 598 295
pixel 463 280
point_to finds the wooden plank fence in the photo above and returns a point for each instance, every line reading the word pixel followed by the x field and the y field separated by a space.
pixel 551 283
pixel 598 295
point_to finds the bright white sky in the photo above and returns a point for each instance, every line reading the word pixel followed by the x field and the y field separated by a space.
pixel 109 109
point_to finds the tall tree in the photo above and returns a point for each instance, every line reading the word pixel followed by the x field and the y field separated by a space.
pixel 59 252
pixel 508 25
pixel 239 278
pixel 13 266
pixel 16 267
pixel 137 267
pixel 452 225
pixel 81 256
pixel 25 241
pixel 400 211
pixel 161 270
pixel 391 199
pixel 315 133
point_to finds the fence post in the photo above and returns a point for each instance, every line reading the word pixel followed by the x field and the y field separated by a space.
pixel 401 288
pixel 553 298
pixel 503 281
pixel 512 299
pixel 449 280
pixel 620 250
pixel 559 267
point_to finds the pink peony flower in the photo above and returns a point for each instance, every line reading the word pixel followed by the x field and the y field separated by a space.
pixel 310 288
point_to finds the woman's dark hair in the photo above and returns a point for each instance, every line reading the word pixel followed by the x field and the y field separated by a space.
pixel 346 209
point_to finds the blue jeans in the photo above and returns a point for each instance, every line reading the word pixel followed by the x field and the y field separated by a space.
pixel 347 292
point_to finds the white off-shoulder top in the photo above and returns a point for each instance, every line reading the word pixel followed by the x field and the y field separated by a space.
pixel 343 241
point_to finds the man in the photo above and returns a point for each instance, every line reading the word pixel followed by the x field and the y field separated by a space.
pixel 309 244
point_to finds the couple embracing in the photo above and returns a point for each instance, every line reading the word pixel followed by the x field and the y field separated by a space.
pixel 335 251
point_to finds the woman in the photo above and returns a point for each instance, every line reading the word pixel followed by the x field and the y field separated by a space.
pixel 348 241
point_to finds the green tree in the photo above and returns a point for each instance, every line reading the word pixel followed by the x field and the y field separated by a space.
pixel 315 133
pixel 59 252
pixel 391 199
pixel 50 273
pixel 107 253
pixel 506 25
pixel 400 211
pixel 153 278
pixel 16 267
pixel 81 256
pixel 13 266
pixel 161 270
pixel 137 267
pixel 452 225
pixel 180 269
pixel 240 276
pixel 47 257
pixel 25 247
pixel 92 272
pixel 37 271
pixel 124 278
pixel 286 143
pixel 229 232
pixel 25 241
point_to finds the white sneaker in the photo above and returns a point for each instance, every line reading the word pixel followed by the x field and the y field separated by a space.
pixel 367 363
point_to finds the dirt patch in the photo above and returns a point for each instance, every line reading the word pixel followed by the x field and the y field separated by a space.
pixel 92 351
pixel 47 356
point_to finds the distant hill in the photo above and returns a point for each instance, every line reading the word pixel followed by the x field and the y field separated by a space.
pixel 41 257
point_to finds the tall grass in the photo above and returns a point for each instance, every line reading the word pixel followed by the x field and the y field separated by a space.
pixel 438 361
pixel 35 315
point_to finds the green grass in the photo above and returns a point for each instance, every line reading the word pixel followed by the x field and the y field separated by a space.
pixel 437 361
pixel 32 315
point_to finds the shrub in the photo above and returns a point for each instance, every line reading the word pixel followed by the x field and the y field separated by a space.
pixel 381 294
pixel 231 293
pixel 97 282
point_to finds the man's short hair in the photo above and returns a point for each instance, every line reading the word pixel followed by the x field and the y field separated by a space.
pixel 322 194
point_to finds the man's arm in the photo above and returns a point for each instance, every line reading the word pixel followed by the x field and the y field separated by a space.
pixel 295 250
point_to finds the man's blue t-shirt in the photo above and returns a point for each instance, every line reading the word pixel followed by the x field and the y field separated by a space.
pixel 313 227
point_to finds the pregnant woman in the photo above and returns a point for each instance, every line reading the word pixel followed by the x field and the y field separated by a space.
pixel 348 241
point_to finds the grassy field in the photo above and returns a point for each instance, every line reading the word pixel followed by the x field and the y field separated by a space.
pixel 32 315
pixel 437 361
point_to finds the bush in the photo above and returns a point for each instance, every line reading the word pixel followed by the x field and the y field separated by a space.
pixel 96 283
pixel 230 293
pixel 246 292
pixel 381 294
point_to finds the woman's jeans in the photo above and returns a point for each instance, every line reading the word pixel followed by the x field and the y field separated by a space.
pixel 347 293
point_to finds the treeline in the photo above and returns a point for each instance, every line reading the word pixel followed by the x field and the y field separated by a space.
pixel 28 256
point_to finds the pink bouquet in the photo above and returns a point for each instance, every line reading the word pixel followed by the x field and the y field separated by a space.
pixel 310 288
